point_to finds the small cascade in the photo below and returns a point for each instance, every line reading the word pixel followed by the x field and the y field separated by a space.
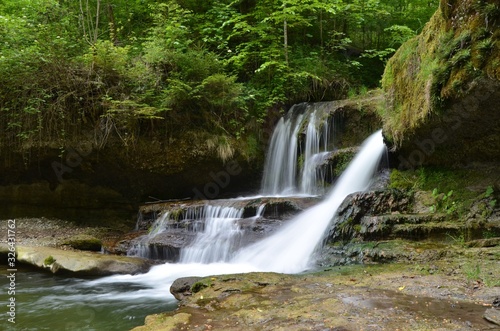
pixel 291 167
pixel 215 231
pixel 220 238
pixel 314 153
pixel 280 170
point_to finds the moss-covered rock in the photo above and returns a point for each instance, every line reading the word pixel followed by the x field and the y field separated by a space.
pixel 60 261
pixel 443 88
pixel 340 298
pixel 84 243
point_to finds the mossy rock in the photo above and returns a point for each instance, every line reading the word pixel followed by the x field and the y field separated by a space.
pixel 84 243
pixel 443 89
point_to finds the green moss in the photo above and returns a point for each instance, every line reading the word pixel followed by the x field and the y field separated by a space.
pixel 438 66
pixel 49 260
pixel 463 183
pixel 461 57
pixel 402 180
pixel 84 243
pixel 198 286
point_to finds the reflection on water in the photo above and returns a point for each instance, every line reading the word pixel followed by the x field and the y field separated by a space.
pixel 48 302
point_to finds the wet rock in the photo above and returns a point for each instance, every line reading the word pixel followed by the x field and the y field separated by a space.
pixel 492 315
pixel 181 287
pixel 350 298
pixel 84 243
pixel 78 262
pixel 358 207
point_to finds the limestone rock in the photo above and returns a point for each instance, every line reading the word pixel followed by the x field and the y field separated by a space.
pixel 84 243
pixel 78 262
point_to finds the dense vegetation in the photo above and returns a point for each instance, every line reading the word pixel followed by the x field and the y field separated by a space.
pixel 124 69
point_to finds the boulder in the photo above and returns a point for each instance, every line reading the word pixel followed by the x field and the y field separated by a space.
pixel 182 287
pixel 492 315
pixel 84 242
pixel 78 263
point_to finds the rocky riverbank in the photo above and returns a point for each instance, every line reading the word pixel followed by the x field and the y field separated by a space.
pixel 446 294
pixel 64 247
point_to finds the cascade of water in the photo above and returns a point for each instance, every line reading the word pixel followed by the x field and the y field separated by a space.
pixel 281 175
pixel 291 248
pixel 142 247
pixel 280 170
pixel 219 239
pixel 308 176
pixel 218 234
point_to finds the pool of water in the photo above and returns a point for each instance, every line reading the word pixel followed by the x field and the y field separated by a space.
pixel 49 302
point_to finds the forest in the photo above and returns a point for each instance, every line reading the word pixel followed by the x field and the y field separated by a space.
pixel 128 68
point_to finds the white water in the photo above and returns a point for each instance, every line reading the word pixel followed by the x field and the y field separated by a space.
pixel 280 171
pixel 288 251
pixel 288 170
pixel 219 239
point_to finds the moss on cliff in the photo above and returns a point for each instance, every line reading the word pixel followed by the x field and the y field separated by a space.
pixel 451 69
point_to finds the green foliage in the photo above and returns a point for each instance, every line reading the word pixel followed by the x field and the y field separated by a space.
pixel 458 240
pixel 129 68
pixel 489 191
pixel 443 202
pixel 108 57
pixel 490 194
pixel 403 180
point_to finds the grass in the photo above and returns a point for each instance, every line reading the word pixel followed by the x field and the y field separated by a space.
pixel 481 273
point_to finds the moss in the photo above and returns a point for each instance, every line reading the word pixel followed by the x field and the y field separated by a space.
pixel 461 57
pixel 454 49
pixel 198 286
pixel 49 260
pixel 84 243
pixel 468 186
pixel 402 180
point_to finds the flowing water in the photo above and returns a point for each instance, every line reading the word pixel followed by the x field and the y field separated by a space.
pixel 289 170
pixel 48 302
pixel 121 302
pixel 290 250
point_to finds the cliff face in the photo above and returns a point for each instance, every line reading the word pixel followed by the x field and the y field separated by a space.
pixel 443 88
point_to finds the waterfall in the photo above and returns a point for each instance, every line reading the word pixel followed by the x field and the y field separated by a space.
pixel 219 239
pixel 291 248
pixel 280 169
pixel 299 144
pixel 215 226
pixel 291 167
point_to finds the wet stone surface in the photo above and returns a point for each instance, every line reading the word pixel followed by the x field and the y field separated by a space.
pixel 370 297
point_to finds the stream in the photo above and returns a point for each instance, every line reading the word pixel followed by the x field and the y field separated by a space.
pixel 48 302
